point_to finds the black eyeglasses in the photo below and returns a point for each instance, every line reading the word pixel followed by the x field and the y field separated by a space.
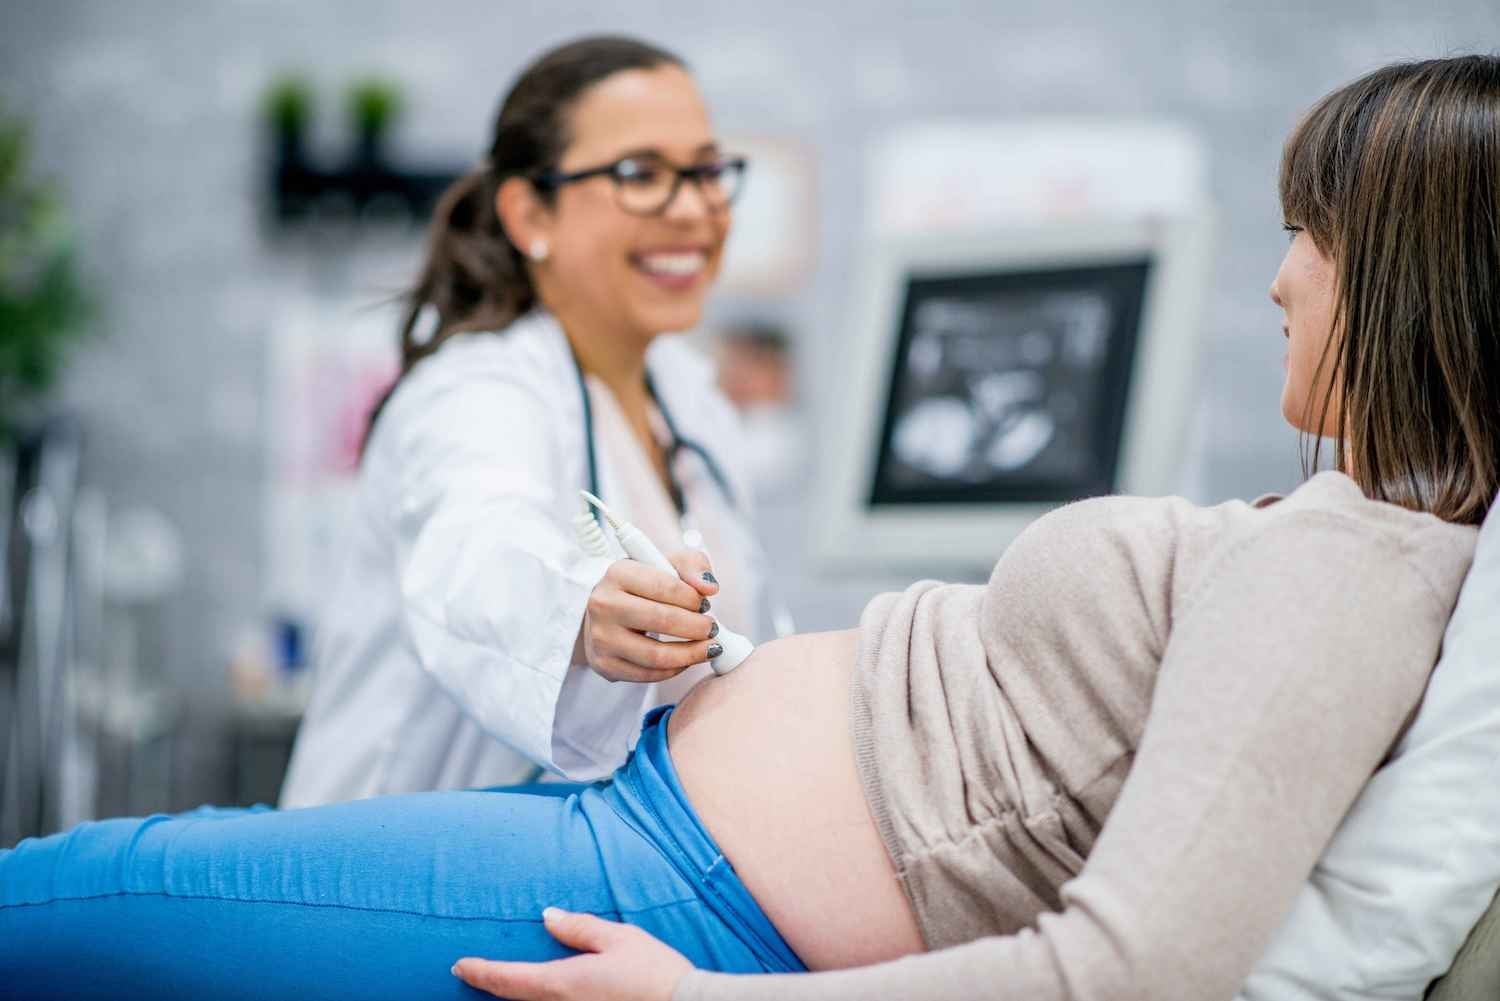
pixel 645 183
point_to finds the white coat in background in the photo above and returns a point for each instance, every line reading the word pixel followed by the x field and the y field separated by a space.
pixel 443 656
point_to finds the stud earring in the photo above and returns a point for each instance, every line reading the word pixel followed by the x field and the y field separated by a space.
pixel 538 250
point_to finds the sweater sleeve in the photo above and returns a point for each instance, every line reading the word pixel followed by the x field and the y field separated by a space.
pixel 1287 675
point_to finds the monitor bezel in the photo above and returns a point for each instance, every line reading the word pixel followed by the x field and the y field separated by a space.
pixel 848 532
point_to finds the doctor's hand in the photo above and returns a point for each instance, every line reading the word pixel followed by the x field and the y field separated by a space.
pixel 634 599
pixel 619 963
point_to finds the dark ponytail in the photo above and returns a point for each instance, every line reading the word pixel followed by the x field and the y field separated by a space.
pixel 474 278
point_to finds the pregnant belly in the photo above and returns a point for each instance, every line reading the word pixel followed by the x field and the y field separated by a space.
pixel 766 758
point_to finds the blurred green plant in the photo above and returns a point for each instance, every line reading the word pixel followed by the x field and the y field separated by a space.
pixel 374 104
pixel 288 104
pixel 43 306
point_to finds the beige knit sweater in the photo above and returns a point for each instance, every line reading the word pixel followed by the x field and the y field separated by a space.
pixel 1187 698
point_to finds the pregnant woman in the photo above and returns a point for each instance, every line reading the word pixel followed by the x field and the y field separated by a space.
pixel 1104 774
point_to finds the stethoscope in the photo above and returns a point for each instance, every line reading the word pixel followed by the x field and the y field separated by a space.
pixel 678 444
pixel 781 619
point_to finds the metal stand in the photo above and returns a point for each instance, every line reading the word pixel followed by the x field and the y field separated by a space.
pixel 36 643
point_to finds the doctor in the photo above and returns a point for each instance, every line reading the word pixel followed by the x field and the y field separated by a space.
pixel 470 639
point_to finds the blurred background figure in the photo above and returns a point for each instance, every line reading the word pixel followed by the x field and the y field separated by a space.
pixel 755 367
pixel 988 258
pixel 756 372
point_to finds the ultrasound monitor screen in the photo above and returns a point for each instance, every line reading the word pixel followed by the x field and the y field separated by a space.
pixel 1010 386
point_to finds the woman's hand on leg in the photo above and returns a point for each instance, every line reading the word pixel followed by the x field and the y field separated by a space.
pixel 620 963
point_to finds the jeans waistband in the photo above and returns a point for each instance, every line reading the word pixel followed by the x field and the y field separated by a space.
pixel 646 793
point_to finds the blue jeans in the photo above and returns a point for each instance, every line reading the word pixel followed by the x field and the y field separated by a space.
pixel 371 899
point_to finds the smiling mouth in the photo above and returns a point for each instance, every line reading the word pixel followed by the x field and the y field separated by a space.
pixel 674 266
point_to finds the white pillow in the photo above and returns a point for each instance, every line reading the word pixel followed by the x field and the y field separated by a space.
pixel 1417 860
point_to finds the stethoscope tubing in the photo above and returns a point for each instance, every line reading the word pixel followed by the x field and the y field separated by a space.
pixel 781 616
pixel 678 443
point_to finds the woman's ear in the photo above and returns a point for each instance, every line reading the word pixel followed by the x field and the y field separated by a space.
pixel 523 215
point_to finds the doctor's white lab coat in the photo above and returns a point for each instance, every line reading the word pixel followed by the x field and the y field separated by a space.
pixel 443 656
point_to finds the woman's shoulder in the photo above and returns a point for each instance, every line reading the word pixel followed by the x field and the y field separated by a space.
pixel 494 381
pixel 528 355
pixel 1326 529
pixel 1328 497
pixel 1438 550
pixel 528 351
pixel 1178 543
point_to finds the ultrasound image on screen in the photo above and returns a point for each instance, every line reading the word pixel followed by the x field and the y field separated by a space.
pixel 1010 386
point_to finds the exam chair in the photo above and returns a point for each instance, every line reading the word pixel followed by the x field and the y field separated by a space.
pixel 1475 975
pixel 1403 900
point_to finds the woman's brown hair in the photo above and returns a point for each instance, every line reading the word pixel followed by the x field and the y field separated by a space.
pixel 474 278
pixel 1396 178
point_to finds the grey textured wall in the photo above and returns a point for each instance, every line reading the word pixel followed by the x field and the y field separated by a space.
pixel 146 113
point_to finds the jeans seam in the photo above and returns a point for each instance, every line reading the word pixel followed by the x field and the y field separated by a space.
pixel 306 903
pixel 708 879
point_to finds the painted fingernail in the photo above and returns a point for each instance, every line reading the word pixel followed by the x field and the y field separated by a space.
pixel 714 650
pixel 713 630
pixel 708 576
pixel 704 606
